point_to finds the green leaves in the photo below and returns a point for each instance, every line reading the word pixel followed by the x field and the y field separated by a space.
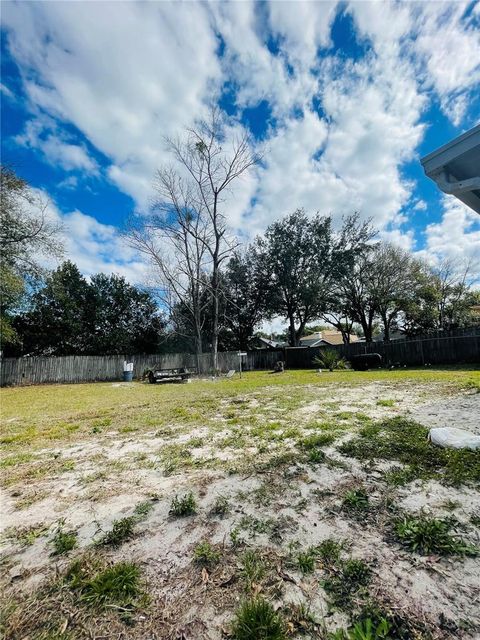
pixel 425 536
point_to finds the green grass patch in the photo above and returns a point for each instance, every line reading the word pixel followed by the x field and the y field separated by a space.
pixel 306 560
pixel 387 402
pixel 183 506
pixel 426 536
pixel 26 536
pixel 256 619
pixel 14 460
pixel 346 581
pixel 63 542
pixel 118 584
pixel 121 531
pixel 406 441
pixel 253 569
pixel 206 555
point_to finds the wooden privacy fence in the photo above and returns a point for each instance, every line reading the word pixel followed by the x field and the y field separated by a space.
pixel 64 369
pixel 462 347
pixel 440 349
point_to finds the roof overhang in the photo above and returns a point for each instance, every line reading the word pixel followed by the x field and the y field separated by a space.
pixel 455 168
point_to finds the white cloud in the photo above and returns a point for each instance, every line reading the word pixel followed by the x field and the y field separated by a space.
pixel 130 76
pixel 94 247
pixel 441 42
pixel 45 136
pixel 6 91
pixel 455 237
pixel 304 27
pixel 126 74
pixel 97 247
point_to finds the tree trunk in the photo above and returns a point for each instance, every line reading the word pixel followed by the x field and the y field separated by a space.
pixel 215 310
pixel 299 333
pixel 386 329
pixel 291 331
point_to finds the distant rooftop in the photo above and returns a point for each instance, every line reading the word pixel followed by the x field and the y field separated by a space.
pixel 455 168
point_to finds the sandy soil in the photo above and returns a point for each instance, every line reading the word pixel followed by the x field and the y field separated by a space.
pixel 300 503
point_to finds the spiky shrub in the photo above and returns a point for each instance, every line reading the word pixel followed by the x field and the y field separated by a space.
pixel 256 619
pixel 186 505
pixel 205 554
pixel 425 536
pixel 329 359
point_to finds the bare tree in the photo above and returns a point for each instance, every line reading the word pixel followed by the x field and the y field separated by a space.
pixel 175 238
pixel 212 164
pixel 186 236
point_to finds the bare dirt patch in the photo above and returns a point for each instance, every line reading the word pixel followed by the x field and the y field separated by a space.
pixel 263 466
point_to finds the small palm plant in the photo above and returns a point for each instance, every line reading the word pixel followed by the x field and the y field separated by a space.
pixel 329 359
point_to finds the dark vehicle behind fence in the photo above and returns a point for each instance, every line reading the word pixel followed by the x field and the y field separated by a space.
pixel 366 361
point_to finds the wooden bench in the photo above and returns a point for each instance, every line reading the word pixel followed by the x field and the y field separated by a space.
pixel 180 374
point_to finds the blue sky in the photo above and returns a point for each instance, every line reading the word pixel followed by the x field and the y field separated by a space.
pixel 343 99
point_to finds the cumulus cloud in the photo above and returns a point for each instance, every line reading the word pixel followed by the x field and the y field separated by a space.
pixel 456 237
pixel 93 246
pixel 43 135
pixel 343 127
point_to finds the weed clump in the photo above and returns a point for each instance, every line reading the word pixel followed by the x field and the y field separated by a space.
pixel 143 509
pixel 329 551
pixel 306 560
pixel 425 536
pixel 346 581
pixel 206 555
pixel 186 505
pixel 364 630
pixel 355 501
pixel 252 569
pixel 63 542
pixel 300 619
pixel 118 584
pixel 256 619
pixel 121 530
pixel 220 507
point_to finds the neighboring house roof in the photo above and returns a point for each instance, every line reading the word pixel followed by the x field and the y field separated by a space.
pixel 270 344
pixel 325 338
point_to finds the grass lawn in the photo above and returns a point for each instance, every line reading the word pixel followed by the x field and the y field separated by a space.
pixel 294 505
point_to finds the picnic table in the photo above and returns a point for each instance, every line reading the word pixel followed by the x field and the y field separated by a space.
pixel 181 374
